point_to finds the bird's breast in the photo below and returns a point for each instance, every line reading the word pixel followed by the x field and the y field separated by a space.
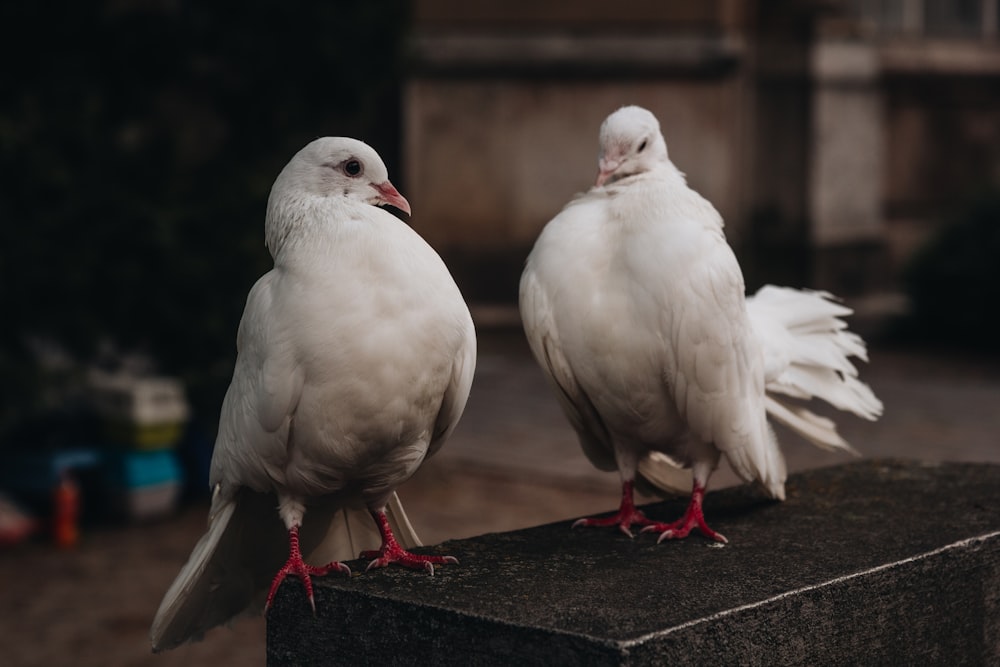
pixel 377 337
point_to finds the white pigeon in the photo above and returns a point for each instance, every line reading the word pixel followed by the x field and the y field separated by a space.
pixel 633 304
pixel 355 358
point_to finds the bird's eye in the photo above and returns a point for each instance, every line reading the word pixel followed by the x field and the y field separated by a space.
pixel 642 146
pixel 352 167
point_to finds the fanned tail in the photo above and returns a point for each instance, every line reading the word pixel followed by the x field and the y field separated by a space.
pixel 807 351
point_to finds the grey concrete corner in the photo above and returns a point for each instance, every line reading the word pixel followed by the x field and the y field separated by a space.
pixel 874 562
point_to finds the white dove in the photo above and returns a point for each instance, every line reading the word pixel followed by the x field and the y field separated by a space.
pixel 355 357
pixel 633 304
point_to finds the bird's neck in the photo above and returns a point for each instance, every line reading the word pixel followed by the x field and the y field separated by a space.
pixel 304 225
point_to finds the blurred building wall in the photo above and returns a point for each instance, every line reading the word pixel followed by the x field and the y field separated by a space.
pixel 814 126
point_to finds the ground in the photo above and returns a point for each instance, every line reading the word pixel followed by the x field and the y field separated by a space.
pixel 512 462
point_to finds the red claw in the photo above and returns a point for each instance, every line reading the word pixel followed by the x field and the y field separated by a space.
pixel 295 565
pixel 693 518
pixel 391 552
pixel 626 517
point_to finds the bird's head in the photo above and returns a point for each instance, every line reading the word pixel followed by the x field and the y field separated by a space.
pixel 341 167
pixel 630 143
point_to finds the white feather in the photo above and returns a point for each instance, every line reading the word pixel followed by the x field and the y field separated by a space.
pixel 355 358
pixel 633 304
pixel 807 351
pixel 230 567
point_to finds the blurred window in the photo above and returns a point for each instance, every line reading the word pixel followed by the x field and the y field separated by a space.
pixel 956 19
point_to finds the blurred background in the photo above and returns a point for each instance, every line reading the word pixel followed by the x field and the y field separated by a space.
pixel 851 145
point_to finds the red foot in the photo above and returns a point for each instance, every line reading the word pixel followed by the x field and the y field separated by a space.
pixel 391 552
pixel 295 565
pixel 693 518
pixel 627 515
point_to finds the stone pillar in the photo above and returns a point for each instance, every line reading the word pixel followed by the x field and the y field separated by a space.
pixel 847 156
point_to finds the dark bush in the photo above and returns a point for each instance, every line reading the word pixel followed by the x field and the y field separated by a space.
pixel 954 281
pixel 138 143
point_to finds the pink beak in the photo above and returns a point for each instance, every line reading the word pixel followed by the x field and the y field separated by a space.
pixel 604 170
pixel 390 195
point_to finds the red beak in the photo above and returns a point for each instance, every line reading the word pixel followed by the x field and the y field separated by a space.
pixel 390 195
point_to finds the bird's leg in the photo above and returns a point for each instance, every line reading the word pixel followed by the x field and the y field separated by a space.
pixel 295 565
pixel 627 459
pixel 391 552
pixel 627 515
pixel 693 518
pixel 292 511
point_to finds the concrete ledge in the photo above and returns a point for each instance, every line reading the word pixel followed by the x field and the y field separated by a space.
pixel 874 562
pixel 564 54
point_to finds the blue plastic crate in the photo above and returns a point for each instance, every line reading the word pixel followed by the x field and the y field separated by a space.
pixel 129 469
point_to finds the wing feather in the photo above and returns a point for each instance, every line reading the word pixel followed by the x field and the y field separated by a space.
pixel 262 396
pixel 543 338
pixel 457 393
pixel 717 368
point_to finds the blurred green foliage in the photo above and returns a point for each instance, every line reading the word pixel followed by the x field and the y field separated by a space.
pixel 953 282
pixel 138 143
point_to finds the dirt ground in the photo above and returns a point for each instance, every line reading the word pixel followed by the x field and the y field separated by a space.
pixel 513 462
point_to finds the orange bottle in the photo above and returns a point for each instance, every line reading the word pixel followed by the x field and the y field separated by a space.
pixel 66 512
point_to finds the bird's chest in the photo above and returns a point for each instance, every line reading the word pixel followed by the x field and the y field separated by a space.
pixel 384 373
pixel 622 357
pixel 377 362
pixel 366 416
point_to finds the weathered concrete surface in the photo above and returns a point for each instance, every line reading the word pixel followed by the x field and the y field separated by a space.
pixel 873 562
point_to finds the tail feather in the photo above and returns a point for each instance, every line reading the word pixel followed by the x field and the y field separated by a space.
pixel 808 351
pixel 819 430
pixel 231 567
pixel 829 349
pixel 341 533
pixel 244 546
pixel 841 391
pixel 664 474
pixel 401 526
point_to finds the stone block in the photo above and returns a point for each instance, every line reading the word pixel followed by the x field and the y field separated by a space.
pixel 876 562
